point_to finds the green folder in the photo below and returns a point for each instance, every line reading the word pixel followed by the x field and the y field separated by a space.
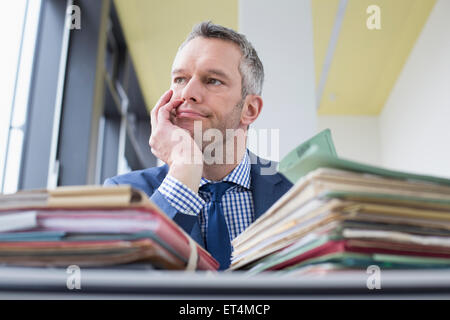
pixel 384 261
pixel 321 143
pixel 319 152
pixel 32 236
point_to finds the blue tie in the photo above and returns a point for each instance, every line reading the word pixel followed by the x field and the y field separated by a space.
pixel 217 236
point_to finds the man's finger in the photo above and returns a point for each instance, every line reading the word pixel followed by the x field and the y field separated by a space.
pixel 165 98
pixel 164 111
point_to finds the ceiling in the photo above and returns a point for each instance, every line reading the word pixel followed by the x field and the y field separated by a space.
pixel 364 64
pixel 356 68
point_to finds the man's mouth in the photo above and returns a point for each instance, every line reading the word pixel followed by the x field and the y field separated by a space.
pixel 187 113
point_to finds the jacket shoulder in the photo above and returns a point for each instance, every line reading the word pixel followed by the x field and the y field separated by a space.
pixel 146 180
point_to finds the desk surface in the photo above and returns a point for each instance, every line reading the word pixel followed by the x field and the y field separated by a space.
pixel 42 283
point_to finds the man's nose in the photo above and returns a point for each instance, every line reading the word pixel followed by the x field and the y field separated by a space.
pixel 192 91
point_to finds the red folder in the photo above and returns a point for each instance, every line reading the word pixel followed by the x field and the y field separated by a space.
pixel 340 246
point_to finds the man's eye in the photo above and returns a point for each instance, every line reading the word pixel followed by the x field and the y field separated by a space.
pixel 179 80
pixel 214 82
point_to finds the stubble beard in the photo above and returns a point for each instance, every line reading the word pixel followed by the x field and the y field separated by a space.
pixel 207 141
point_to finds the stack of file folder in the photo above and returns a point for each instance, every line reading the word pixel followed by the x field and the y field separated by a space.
pixel 93 226
pixel 344 215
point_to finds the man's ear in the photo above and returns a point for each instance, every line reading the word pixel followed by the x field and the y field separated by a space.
pixel 251 109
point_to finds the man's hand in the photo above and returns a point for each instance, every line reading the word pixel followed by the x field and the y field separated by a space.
pixel 174 145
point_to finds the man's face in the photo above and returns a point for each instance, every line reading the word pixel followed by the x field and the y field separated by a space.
pixel 206 74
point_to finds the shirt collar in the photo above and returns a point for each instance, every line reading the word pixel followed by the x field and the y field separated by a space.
pixel 240 175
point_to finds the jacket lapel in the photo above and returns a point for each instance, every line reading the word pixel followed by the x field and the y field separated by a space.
pixel 262 186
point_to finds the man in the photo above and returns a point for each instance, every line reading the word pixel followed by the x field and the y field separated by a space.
pixel 212 190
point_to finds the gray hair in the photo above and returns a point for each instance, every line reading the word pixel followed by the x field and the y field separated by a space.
pixel 250 67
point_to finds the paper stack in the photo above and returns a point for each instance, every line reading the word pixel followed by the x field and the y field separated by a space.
pixel 93 226
pixel 341 215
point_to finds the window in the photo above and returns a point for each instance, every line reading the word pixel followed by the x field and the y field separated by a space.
pixel 64 114
pixel 19 25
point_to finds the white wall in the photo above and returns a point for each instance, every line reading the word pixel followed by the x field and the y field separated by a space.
pixel 415 122
pixel 355 137
pixel 281 32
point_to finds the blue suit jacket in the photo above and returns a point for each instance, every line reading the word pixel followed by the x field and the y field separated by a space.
pixel 266 189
